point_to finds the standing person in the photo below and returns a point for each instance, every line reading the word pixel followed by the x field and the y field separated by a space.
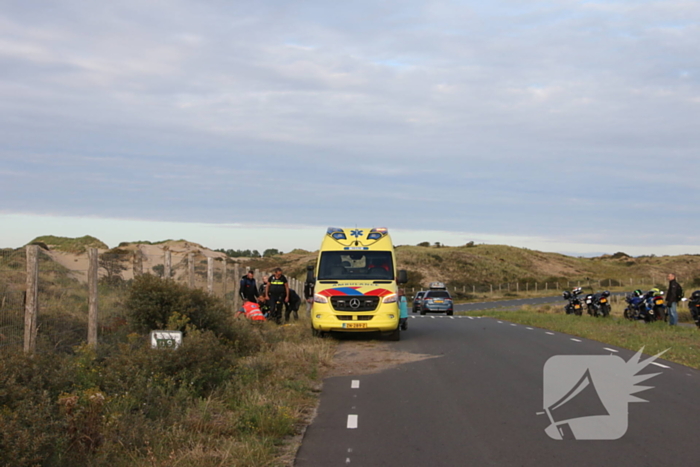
pixel 292 306
pixel 264 303
pixel 248 290
pixel 403 310
pixel 673 296
pixel 277 292
pixel 263 287
pixel 309 295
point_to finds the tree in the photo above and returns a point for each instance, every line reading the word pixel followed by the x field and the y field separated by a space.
pixel 271 252
pixel 425 244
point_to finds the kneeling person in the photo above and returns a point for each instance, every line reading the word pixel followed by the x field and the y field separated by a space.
pixel 292 306
pixel 251 310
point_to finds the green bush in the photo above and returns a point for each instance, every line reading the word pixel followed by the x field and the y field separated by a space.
pixel 152 302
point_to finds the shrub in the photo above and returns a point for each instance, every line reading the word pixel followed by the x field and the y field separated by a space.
pixel 152 301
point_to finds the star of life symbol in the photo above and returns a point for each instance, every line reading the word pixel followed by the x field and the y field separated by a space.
pixel 356 233
pixel 586 396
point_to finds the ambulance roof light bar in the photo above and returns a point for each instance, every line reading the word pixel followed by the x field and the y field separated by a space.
pixel 336 233
pixel 377 233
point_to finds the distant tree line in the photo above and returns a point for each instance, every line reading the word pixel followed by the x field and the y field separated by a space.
pixel 250 254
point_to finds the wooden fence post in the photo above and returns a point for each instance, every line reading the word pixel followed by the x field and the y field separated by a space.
pixel 137 264
pixel 210 275
pixel 236 281
pixel 190 269
pixel 31 306
pixel 168 264
pixel 224 278
pixel 492 288
pixel 92 296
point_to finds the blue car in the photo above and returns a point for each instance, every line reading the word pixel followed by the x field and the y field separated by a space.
pixel 437 301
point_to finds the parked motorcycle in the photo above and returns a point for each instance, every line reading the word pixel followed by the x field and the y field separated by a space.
pixel 637 307
pixel 574 307
pixel 694 306
pixel 656 305
pixel 598 304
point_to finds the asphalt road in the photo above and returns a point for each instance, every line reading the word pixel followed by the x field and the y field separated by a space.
pixel 476 403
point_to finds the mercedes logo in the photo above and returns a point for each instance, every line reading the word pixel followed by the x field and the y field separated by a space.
pixel 355 303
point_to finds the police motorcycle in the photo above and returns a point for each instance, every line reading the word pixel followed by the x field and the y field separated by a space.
pixel 636 307
pixel 574 307
pixel 598 305
pixel 694 306
pixel 656 305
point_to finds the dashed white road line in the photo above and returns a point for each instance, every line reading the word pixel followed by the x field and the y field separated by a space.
pixel 355 384
pixel 513 324
pixel 660 364
pixel 470 317
pixel 576 340
pixel 529 329
pixel 611 350
pixel 500 322
pixel 352 422
pixel 550 333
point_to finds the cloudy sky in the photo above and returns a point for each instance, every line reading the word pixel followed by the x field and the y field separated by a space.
pixel 560 125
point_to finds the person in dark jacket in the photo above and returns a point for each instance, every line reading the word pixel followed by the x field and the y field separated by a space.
pixel 248 290
pixel 277 292
pixel 309 295
pixel 673 296
pixel 292 306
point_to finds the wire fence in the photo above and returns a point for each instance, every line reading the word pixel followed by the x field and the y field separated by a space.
pixel 69 288
pixel 520 287
pixel 12 283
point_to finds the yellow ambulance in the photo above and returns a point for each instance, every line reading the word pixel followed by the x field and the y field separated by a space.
pixel 356 283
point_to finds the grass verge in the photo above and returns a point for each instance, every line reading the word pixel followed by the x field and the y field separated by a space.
pixel 683 342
